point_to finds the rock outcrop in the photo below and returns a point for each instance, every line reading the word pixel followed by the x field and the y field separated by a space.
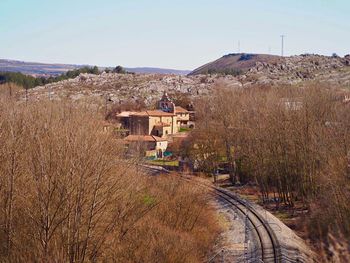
pixel 264 69
pixel 121 87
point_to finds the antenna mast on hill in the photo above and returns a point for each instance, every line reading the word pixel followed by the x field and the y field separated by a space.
pixel 239 46
pixel 282 49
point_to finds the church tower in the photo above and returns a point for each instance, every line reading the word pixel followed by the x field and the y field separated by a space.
pixel 166 104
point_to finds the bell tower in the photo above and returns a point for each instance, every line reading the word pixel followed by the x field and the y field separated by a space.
pixel 166 104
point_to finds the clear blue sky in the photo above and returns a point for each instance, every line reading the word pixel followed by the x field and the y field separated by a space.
pixel 180 34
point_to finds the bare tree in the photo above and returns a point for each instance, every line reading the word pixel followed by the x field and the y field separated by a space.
pixel 67 194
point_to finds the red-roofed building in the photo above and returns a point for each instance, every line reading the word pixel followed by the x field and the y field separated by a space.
pixel 150 126
pixel 151 145
pixel 153 122
pixel 183 116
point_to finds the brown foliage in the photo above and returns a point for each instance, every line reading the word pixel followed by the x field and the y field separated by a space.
pixel 293 142
pixel 67 195
pixel 124 106
pixel 181 99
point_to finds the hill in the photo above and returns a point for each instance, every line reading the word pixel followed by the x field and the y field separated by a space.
pixel 235 63
pixel 47 70
pixel 265 69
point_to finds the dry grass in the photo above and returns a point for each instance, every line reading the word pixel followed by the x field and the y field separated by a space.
pixel 9 90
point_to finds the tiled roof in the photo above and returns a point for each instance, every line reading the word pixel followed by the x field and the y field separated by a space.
pixel 154 113
pixel 125 114
pixel 141 114
pixel 144 138
pixel 159 139
pixel 159 113
pixel 162 124
pixel 179 109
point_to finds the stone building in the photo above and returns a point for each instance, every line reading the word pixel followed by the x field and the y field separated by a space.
pixel 154 122
pixel 155 125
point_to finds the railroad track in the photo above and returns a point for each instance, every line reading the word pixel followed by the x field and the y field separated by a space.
pixel 268 243
pixel 269 249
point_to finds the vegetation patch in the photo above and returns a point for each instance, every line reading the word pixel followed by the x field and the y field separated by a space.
pixel 184 129
pixel 148 200
pixel 164 162
pixel 29 82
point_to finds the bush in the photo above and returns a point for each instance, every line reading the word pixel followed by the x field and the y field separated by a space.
pixel 119 70
pixel 335 55
pixel 245 57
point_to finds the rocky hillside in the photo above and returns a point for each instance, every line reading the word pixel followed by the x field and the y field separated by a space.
pixel 265 69
pixel 294 70
pixel 122 87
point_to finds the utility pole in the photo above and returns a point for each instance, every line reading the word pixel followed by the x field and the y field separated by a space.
pixel 282 49
pixel 239 46
pixel 26 96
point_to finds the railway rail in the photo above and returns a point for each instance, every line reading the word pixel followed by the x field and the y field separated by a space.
pixel 269 249
pixel 268 243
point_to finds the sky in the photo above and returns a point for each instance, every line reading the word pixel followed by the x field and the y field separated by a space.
pixel 178 34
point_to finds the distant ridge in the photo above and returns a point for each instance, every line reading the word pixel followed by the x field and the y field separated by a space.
pixel 47 69
pixel 35 68
pixel 147 70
